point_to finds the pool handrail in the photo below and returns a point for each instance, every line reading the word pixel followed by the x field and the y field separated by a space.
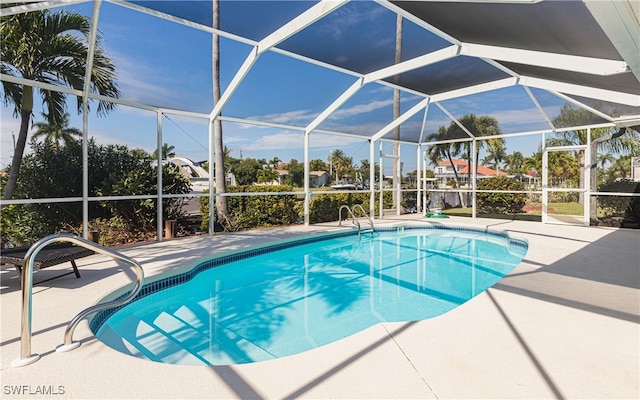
pixel 353 217
pixel 26 357
pixel 365 214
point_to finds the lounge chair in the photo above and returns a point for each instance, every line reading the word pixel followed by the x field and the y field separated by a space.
pixel 50 255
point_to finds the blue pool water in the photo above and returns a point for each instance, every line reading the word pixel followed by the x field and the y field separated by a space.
pixel 299 297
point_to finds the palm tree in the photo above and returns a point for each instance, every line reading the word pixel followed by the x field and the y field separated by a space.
pixel 167 151
pixel 496 152
pixel 396 109
pixel 514 163
pixel 222 208
pixel 274 162
pixel 571 116
pixel 341 164
pixel 604 159
pixel 437 152
pixel 45 47
pixel 55 131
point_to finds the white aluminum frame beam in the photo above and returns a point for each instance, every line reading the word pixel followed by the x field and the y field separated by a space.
pixel 85 115
pixel 346 95
pixel 297 24
pixel 584 91
pixel 300 22
pixel 619 21
pixel 587 65
pixel 414 63
pixel 480 88
pixel 403 118
pixel 455 120
pixel 28 7
pixel 586 107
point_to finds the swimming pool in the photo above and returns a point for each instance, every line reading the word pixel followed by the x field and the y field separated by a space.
pixel 288 298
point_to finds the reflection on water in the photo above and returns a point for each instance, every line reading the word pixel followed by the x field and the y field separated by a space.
pixel 290 301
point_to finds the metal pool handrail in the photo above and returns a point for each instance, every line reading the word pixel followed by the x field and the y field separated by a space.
pixel 365 214
pixel 353 217
pixel 26 357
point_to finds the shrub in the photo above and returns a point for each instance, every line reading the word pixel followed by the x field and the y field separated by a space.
pixel 500 203
pixel 56 171
pixel 628 207
pixel 325 207
pixel 254 211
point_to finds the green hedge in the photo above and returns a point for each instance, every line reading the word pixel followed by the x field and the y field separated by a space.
pixel 500 203
pixel 254 211
pixel 325 207
pixel 628 207
pixel 274 210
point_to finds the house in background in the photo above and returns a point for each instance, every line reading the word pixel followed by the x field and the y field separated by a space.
pixel 319 178
pixel 444 172
pixel 316 178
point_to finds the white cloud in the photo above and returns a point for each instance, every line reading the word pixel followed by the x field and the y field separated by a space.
pixel 278 141
pixel 295 117
pixel 361 109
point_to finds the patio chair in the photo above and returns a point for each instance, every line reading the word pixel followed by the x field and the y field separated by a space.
pixel 50 255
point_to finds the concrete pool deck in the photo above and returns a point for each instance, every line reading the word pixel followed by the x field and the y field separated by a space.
pixel 564 324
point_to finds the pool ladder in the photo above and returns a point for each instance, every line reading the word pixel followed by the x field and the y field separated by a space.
pixel 26 357
pixel 356 222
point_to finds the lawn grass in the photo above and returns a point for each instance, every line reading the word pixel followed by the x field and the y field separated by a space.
pixel 533 211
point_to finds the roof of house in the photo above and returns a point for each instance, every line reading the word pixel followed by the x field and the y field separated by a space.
pixel 465 170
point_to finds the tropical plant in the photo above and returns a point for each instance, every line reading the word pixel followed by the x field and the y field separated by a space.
pixel 496 152
pixel 318 165
pixel 295 177
pixel 438 152
pixel 56 132
pixel 396 109
pixel 166 151
pixel 572 116
pixel 266 175
pixel 340 164
pixel 514 163
pixel 45 47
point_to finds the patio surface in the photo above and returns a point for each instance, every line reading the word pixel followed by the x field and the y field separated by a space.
pixel 564 324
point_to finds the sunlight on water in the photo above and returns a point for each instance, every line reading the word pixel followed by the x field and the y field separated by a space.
pixel 289 301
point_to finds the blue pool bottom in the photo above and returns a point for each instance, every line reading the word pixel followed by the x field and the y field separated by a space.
pixel 291 297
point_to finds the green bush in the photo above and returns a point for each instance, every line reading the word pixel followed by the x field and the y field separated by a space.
pixel 325 207
pixel 140 215
pixel 255 211
pixel 56 171
pixel 628 207
pixel 500 203
pixel 250 212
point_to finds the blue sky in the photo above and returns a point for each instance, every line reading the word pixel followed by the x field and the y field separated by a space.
pixel 168 65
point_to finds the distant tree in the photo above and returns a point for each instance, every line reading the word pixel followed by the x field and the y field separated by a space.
pixel 167 151
pixel 246 171
pixel 267 175
pixel 318 165
pixel 56 131
pixel 573 116
pixel 340 164
pixel 514 163
pixel 439 152
pixel 274 162
pixel 620 169
pixel 496 152
pixel 296 173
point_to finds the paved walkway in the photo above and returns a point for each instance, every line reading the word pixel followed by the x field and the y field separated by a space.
pixel 563 324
